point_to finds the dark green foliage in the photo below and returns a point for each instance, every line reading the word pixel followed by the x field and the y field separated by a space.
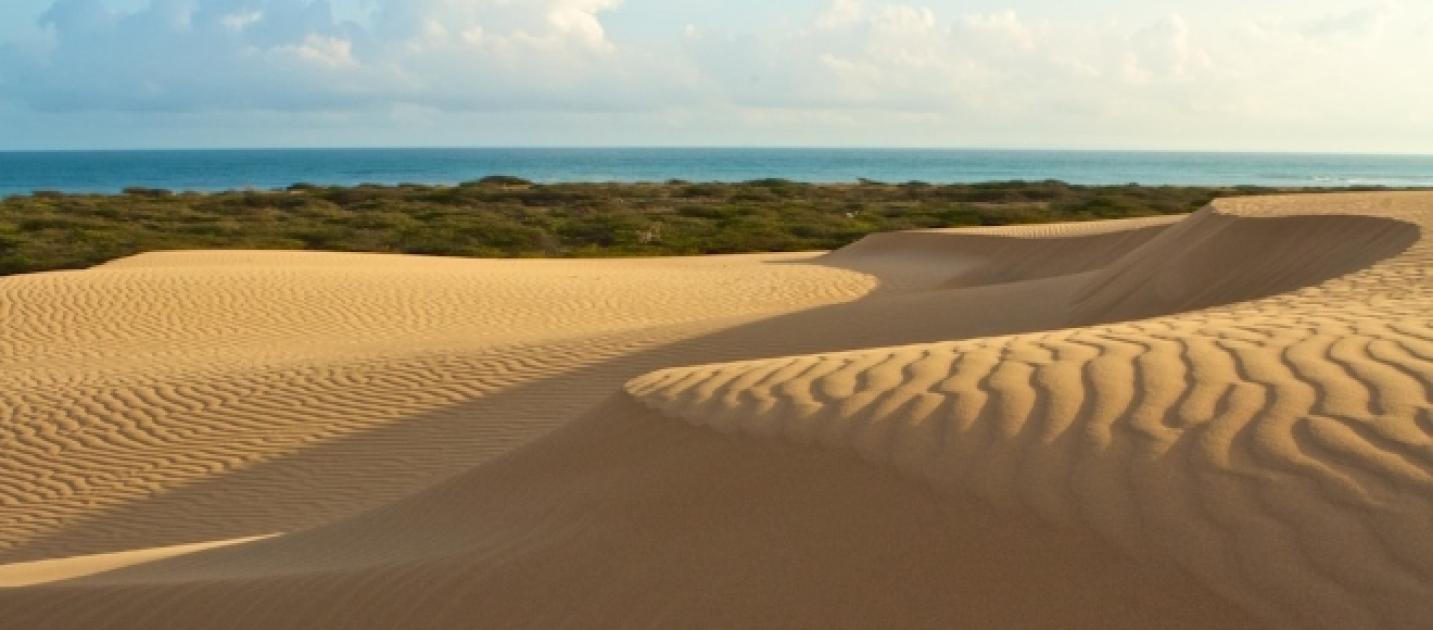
pixel 499 181
pixel 138 191
pixel 509 216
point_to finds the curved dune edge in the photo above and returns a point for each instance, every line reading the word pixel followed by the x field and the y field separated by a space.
pixel 1281 449
pixel 1277 449
pixel 968 257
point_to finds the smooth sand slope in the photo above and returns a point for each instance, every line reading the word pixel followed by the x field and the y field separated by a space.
pixel 1221 421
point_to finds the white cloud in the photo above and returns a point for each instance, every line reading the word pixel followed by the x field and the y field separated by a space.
pixel 241 20
pixel 1214 69
pixel 1004 26
pixel 1364 21
pixel 840 14
pixel 1163 50
pixel 473 35
pixel 184 55
pixel 577 20
pixel 328 51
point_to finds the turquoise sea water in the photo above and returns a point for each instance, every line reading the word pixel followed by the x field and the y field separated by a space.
pixel 209 170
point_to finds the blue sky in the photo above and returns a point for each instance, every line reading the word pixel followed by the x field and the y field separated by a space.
pixel 1278 75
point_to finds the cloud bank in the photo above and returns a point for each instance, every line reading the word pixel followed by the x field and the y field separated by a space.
pixel 1021 72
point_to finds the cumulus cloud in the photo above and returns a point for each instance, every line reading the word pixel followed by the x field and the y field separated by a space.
pixel 294 54
pixel 913 59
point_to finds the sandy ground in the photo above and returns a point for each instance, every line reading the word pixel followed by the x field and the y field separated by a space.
pixel 1214 421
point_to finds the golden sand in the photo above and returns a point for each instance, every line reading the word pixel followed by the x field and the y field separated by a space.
pixel 1218 421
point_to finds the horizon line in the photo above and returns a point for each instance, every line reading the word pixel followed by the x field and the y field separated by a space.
pixel 717 147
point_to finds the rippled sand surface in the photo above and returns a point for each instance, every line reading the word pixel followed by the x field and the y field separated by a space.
pixel 1222 420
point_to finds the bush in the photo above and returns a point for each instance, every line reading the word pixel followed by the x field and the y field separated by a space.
pixel 499 181
pixel 138 191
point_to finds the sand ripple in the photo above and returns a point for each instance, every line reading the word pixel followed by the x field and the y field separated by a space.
pixel 1279 448
pixel 1164 422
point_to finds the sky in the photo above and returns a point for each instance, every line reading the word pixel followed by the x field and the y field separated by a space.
pixel 1230 75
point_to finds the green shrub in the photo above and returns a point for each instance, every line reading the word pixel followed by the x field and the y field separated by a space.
pixel 499 180
pixel 509 216
pixel 138 191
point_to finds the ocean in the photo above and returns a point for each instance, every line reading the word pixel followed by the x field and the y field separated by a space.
pixel 22 172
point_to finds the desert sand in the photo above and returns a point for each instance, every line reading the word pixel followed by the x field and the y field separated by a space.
pixel 1223 420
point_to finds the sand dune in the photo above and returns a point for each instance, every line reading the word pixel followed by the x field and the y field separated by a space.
pixel 1224 420
pixel 141 382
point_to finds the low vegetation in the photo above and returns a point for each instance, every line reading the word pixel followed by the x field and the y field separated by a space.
pixel 508 217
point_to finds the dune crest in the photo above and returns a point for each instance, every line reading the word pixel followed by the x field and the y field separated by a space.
pixel 1222 420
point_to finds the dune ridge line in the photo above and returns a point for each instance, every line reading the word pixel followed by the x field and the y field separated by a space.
pixel 1278 448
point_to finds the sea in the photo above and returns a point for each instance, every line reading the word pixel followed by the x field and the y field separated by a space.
pixel 22 172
